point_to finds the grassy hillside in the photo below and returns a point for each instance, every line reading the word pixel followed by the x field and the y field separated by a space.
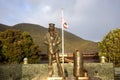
pixel 38 32
pixel 4 27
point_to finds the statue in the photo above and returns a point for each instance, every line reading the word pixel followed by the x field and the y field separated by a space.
pixel 52 40
pixel 78 64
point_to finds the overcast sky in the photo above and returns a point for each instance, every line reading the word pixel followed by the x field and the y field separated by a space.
pixel 88 19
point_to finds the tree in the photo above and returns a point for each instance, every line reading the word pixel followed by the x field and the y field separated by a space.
pixel 15 45
pixel 110 46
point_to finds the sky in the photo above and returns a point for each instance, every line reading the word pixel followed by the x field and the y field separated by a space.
pixel 88 19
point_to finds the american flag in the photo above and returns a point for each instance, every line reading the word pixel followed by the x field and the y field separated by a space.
pixel 64 24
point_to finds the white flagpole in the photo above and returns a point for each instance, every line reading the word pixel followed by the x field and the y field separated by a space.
pixel 62 41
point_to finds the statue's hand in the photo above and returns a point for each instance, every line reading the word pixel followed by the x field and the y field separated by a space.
pixel 51 51
pixel 53 44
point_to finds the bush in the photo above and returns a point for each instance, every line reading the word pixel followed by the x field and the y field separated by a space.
pixel 110 46
pixel 15 45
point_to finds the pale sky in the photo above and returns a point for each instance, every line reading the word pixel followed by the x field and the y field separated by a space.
pixel 88 19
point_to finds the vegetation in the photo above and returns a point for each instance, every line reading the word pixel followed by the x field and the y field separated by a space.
pixel 15 45
pixel 110 46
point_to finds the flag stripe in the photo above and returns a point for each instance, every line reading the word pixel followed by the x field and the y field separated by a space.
pixel 64 24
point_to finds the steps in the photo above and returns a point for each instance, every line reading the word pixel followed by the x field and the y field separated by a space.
pixel 117 73
pixel 67 78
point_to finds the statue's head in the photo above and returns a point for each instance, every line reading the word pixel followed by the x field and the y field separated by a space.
pixel 51 27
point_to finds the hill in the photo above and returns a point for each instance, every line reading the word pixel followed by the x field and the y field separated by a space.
pixel 38 32
pixel 4 27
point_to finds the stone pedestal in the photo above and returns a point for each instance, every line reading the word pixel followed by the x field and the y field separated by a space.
pixel 68 78
pixel 55 78
pixel 102 59
pixel 83 78
pixel 25 61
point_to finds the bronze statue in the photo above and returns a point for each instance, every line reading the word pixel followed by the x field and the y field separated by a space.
pixel 52 40
pixel 78 64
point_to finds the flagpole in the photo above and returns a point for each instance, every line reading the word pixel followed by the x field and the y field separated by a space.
pixel 62 42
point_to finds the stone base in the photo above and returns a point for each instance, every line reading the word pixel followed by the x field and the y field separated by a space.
pixel 55 78
pixel 83 78
pixel 72 78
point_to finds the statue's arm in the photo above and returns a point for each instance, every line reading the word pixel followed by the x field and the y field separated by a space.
pixel 46 43
pixel 46 40
pixel 58 41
